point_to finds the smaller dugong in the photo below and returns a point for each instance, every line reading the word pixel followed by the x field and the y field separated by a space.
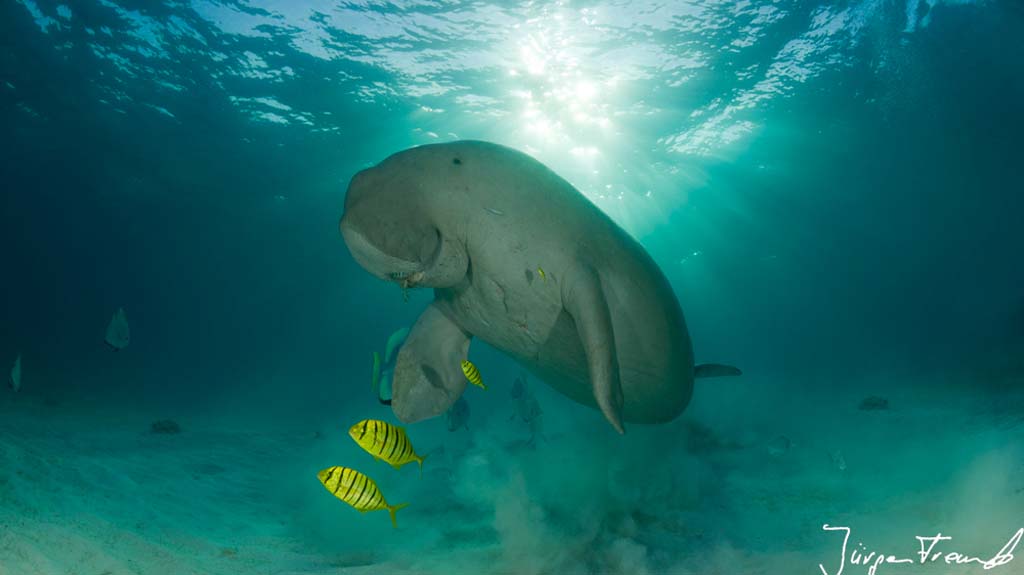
pixel 519 258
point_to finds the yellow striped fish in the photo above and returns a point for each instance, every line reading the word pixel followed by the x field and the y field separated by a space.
pixel 357 490
pixel 385 441
pixel 472 374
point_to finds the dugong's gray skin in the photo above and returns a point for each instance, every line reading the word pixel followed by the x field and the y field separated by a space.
pixel 477 222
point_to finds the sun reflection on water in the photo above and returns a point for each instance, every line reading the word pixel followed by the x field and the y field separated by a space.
pixel 564 96
pixel 564 99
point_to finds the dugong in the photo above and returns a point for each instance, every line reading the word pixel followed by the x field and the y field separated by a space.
pixel 520 259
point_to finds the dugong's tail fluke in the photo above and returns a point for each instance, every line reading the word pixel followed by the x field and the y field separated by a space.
pixel 715 370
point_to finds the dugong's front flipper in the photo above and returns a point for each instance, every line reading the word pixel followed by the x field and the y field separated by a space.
pixel 583 298
pixel 428 372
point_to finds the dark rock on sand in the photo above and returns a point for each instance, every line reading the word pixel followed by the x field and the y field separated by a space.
pixel 874 403
pixel 165 426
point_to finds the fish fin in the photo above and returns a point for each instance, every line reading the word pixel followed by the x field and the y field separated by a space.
pixel 421 459
pixel 384 388
pixel 375 377
pixel 392 509
pixel 396 466
pixel 715 370
pixel 584 300
pixel 394 342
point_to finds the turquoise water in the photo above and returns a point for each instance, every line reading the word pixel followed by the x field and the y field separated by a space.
pixel 831 188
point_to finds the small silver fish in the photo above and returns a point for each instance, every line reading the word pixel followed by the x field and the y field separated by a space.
pixel 118 333
pixel 518 388
pixel 16 374
pixel 838 461
pixel 779 446
pixel 536 431
pixel 527 409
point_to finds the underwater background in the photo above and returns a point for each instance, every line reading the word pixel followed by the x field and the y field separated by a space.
pixel 833 189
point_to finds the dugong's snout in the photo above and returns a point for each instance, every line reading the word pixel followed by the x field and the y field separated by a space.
pixel 428 376
pixel 421 396
pixel 421 391
pixel 373 259
pixel 391 236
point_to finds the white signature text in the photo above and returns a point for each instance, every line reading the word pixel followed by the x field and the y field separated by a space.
pixel 930 552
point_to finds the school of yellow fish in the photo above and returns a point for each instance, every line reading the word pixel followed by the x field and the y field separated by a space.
pixel 386 442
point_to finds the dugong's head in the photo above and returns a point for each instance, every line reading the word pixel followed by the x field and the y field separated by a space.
pixel 393 230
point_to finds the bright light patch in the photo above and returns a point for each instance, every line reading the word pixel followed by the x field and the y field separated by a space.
pixel 563 92
pixel 585 91
pixel 271 117
pixel 584 151
pixel 161 110
pixel 42 20
pixel 542 127
pixel 532 61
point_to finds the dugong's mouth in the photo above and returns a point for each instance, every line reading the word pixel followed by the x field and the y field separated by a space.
pixel 407 279
pixel 438 262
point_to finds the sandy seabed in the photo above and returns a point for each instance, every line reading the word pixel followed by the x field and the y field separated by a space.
pixel 741 484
